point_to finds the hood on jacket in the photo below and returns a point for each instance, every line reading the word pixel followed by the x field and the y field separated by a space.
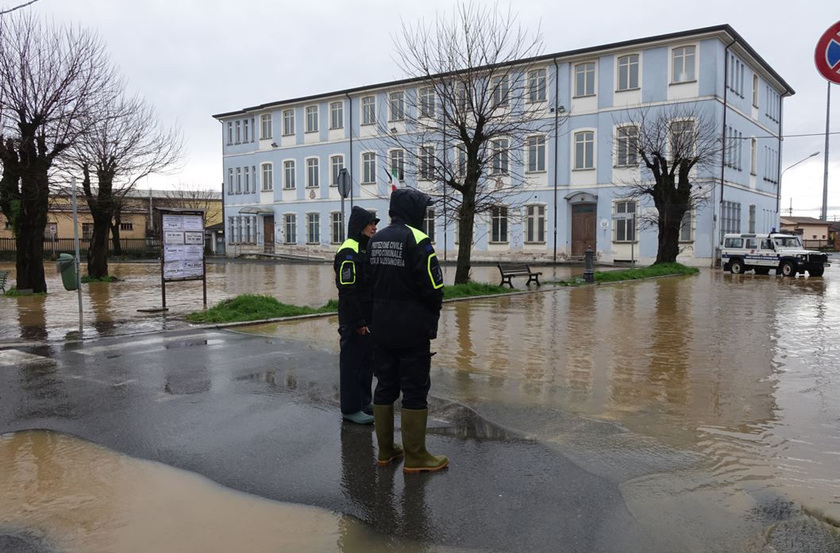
pixel 359 219
pixel 409 205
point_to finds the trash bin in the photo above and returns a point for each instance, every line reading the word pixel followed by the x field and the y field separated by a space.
pixel 67 269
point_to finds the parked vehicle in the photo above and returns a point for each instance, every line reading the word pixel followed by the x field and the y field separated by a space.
pixel 763 252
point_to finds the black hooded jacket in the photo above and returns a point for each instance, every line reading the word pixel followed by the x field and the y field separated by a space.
pixel 404 275
pixel 354 301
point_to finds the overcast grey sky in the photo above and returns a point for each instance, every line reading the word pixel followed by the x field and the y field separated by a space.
pixel 194 58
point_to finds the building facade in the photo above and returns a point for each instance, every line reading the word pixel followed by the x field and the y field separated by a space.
pixel 281 160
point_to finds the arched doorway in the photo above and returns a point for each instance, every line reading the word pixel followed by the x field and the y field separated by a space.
pixel 584 209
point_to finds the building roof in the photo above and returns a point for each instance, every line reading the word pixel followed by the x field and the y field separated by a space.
pixel 721 29
pixel 802 221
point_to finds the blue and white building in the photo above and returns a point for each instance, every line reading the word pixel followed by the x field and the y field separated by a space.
pixel 281 159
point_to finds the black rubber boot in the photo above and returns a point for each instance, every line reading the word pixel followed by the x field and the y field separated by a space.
pixel 384 426
pixel 417 459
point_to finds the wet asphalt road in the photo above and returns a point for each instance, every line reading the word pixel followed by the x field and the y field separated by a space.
pixel 261 416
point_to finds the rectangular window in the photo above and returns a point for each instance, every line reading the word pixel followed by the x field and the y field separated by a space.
pixel 536 85
pixel 238 127
pixel 500 156
pixel 627 146
pixel 290 226
pixel 772 108
pixel 501 91
pixel 267 177
pixel 628 72
pixel 265 126
pixel 127 226
pixel 461 152
pixel 230 181
pixel 368 168
pixel 289 175
pixel 311 118
pixel 368 110
pixel 685 227
pixel 246 130
pixel 288 122
pixel 755 90
pixel 461 99
pixel 247 179
pixel 239 229
pixel 230 132
pixel 625 221
pixel 429 224
pixel 499 219
pixel 427 102
pixel 751 220
pixel 585 79
pixel 682 139
pixel 682 64
pixel 427 162
pixel 336 227
pixel 535 146
pixel 535 224
pixel 730 218
pixel 585 150
pixel 398 165
pixel 239 180
pixel 337 115
pixel 312 173
pixel 336 165
pixel 313 228
pixel 753 155
pixel 231 227
pixel 396 101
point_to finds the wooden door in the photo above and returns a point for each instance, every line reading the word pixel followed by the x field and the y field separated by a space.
pixel 584 228
pixel 268 234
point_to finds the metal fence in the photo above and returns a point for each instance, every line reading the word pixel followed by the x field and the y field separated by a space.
pixel 130 246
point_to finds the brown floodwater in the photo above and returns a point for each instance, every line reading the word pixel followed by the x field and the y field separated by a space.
pixel 707 398
pixel 76 497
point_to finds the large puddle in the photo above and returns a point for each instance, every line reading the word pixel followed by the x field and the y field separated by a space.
pixel 64 494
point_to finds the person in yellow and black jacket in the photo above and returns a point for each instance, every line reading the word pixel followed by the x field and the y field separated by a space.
pixel 407 288
pixel 354 316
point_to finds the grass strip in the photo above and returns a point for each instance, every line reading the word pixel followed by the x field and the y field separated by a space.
pixel 14 293
pixel 474 289
pixel 659 270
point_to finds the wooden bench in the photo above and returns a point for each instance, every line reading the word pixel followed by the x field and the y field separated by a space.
pixel 510 270
pixel 4 275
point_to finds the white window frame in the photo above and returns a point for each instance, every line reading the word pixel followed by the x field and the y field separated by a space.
pixel 580 139
pixel 311 119
pixel 368 167
pixel 336 224
pixel 238 126
pixel 687 226
pixel 246 130
pixel 427 102
pixel 229 133
pixel 368 110
pixel 429 224
pixel 501 91
pixel 689 73
pixel 313 172
pixel 427 162
pixel 755 90
pixel 500 152
pixel 288 122
pixel 247 179
pixel 499 215
pixel 396 160
pixel 627 67
pixel 336 115
pixel 336 165
pixel 537 86
pixel 582 69
pixel 396 106
pixel 289 168
pixel 313 222
pixel 267 172
pixel 230 182
pixel 535 224
pixel 625 226
pixel 626 146
pixel 265 126
pixel 535 149
pixel 239 180
pixel 753 156
pixel 290 223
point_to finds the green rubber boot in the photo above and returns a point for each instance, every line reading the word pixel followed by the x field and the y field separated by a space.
pixel 384 426
pixel 417 459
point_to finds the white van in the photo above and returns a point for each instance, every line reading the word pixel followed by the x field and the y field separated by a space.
pixel 762 252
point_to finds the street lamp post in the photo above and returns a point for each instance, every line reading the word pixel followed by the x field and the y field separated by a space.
pixel 779 195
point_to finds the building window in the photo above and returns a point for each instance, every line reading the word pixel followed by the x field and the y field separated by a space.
pixel 87 231
pixel 772 108
pixel 127 226
pixel 290 225
pixel 239 180
pixel 585 79
pixel 288 122
pixel 461 154
pixel 313 228
pixel 368 168
pixel 755 90
pixel 625 221
pixel 682 138
pixel 499 219
pixel 336 227
pixel 536 85
pixel 368 110
pixel 230 181
pixel 535 146
pixel 265 126
pixel 238 127
pixel 246 130
pixel 628 72
pixel 337 115
pixel 685 227
pixel 500 156
pixel 336 165
pixel 751 220
pixel 585 150
pixel 247 179
pixel 771 165
pixel 231 226
pixel 230 133
pixel 429 224
pixel 427 162
pixel 312 173
pixel 427 102
pixel 730 218
pixel 734 145
pixel 461 99
pixel 753 154
pixel 535 224
pixel 289 175
pixel 267 177
pixel 682 64
pixel 398 165
pixel 396 101
pixel 311 118
pixel 735 78
pixel 501 92
pixel 627 146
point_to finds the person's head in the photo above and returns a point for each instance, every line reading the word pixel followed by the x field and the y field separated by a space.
pixel 370 228
pixel 409 205
pixel 362 224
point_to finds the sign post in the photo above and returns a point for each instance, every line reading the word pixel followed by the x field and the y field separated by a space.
pixel 182 248
pixel 827 59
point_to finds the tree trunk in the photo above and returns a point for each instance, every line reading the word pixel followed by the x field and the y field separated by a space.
pixel 97 257
pixel 466 222
pixel 670 220
pixel 31 224
pixel 116 246
pixel 30 259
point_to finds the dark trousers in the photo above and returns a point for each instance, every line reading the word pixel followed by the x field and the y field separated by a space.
pixel 403 370
pixel 356 368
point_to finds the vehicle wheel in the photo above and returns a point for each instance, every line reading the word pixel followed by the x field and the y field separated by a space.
pixel 816 272
pixel 788 269
pixel 762 270
pixel 736 267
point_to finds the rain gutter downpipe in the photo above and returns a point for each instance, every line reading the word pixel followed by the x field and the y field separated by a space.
pixel 556 123
pixel 723 151
pixel 350 109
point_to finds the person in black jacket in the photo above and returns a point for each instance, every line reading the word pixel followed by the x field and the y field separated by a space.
pixel 407 288
pixel 354 316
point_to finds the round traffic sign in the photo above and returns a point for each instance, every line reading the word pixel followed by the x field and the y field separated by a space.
pixel 827 54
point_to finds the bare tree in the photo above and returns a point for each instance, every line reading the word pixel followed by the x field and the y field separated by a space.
pixel 51 80
pixel 124 143
pixel 187 196
pixel 678 146
pixel 465 128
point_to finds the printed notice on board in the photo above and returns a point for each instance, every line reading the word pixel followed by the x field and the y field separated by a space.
pixel 195 238
pixel 183 246
pixel 173 222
